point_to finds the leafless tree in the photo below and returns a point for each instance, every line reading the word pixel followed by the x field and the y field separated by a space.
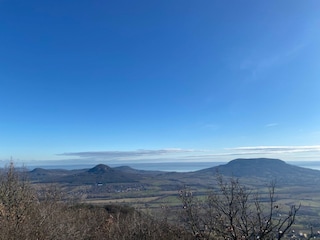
pixel 17 204
pixel 233 212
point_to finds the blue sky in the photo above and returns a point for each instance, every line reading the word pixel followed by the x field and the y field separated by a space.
pixel 112 81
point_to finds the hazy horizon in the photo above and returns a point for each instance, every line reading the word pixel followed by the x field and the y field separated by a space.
pixel 149 166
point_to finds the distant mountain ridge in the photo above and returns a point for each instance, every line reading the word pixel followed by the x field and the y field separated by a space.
pixel 257 168
pixel 99 173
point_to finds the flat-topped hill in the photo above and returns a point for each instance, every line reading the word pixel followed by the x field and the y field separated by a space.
pixel 263 168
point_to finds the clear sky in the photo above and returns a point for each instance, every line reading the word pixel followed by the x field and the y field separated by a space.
pixel 169 80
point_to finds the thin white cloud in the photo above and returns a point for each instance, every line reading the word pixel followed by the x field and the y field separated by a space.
pixel 127 154
pixel 276 149
pixel 258 65
pixel 211 126
pixel 281 152
pixel 181 155
pixel 269 125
